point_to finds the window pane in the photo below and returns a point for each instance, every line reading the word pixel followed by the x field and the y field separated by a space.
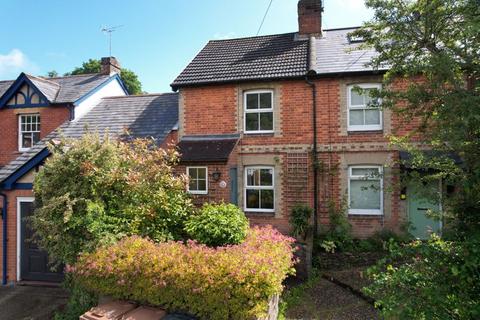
pixel 252 101
pixel 266 177
pixel 253 177
pixel 356 99
pixel 265 100
pixel 364 194
pixel 356 117
pixel 253 199
pixel 201 173
pixel 372 116
pixel 267 199
pixel 36 137
pixel 202 185
pixel 192 173
pixel 26 140
pixel 266 121
pixel 192 185
pixel 370 172
pixel 251 121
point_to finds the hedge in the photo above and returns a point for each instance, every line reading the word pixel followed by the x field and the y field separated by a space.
pixel 231 282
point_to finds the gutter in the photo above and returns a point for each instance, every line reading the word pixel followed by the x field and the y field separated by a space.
pixel 311 73
pixel 4 240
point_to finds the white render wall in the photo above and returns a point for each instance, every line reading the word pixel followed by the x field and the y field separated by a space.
pixel 112 89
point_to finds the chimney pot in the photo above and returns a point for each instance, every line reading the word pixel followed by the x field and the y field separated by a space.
pixel 110 65
pixel 310 17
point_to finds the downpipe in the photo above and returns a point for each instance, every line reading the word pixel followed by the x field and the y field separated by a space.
pixel 4 240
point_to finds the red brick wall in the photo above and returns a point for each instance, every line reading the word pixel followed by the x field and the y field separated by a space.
pixel 50 117
pixel 214 110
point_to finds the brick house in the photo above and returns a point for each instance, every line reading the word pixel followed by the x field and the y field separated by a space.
pixel 31 111
pixel 268 122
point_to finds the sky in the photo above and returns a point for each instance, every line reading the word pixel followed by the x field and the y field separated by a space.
pixel 156 38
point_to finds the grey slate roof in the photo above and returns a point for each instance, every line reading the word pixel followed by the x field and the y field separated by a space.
pixel 263 57
pixel 66 89
pixel 148 116
pixel 274 57
pixel 334 53
pixel 214 148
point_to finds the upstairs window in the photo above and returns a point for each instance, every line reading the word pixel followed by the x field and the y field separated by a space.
pixel 258 111
pixel 197 180
pixel 259 189
pixel 29 131
pixel 365 191
pixel 363 111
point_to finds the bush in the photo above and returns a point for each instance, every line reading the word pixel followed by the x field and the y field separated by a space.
pixel 79 301
pixel 339 232
pixel 233 282
pixel 94 191
pixel 218 225
pixel 300 220
pixel 435 280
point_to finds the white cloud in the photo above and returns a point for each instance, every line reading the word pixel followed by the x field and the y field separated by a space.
pixel 223 36
pixel 352 4
pixel 15 62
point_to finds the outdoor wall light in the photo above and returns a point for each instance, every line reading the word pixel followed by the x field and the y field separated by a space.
pixel 216 175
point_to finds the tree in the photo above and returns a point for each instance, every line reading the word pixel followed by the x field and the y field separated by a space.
pixel 52 74
pixel 95 191
pixel 432 49
pixel 129 78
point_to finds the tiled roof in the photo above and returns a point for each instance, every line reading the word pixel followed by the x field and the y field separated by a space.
pixel 207 148
pixel 263 57
pixel 66 89
pixel 274 57
pixel 148 116
pixel 335 54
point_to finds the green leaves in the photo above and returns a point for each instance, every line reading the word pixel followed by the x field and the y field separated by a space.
pixel 97 191
pixel 218 225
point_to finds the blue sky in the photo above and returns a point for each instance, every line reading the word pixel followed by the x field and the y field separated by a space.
pixel 158 37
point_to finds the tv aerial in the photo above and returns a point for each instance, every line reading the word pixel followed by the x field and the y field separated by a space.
pixel 108 31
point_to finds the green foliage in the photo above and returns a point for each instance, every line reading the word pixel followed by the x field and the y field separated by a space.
pixel 300 220
pixel 432 51
pixel 52 74
pixel 232 282
pixel 129 78
pixel 218 225
pixel 95 191
pixel 338 234
pixel 79 301
pixel 436 280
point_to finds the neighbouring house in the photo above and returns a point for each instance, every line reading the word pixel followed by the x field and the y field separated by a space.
pixel 268 122
pixel 31 111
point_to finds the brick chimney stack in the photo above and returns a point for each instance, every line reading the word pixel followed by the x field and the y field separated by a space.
pixel 310 17
pixel 110 65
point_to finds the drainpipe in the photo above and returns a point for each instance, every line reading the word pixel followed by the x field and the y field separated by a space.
pixel 315 156
pixel 4 242
pixel 312 62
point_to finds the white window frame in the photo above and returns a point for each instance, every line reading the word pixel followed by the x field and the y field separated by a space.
pixel 245 187
pixel 20 132
pixel 270 110
pixel 206 180
pixel 377 212
pixel 371 127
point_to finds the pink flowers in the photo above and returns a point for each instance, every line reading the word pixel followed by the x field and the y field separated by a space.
pixel 225 282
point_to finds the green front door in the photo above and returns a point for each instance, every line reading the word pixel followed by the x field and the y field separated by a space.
pixel 419 203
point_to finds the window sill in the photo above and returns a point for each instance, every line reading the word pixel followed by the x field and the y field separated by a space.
pixel 371 131
pixel 260 213
pixel 365 214
pixel 259 134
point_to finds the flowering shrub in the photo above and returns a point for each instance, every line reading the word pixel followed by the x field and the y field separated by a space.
pixel 218 225
pixel 231 282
